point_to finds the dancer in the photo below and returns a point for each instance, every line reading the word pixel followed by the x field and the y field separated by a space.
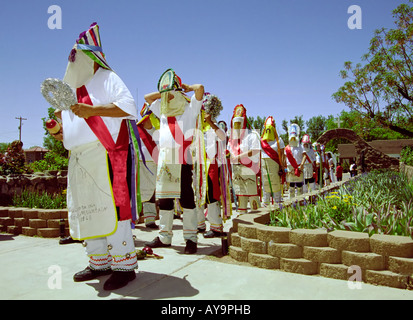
pixel 244 147
pixel 148 128
pixel 295 161
pixel 272 163
pixel 98 195
pixel 309 164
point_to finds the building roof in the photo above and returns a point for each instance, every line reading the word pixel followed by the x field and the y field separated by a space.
pixel 36 149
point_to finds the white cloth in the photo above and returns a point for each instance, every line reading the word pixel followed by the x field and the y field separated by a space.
pixel 297 153
pixel 186 121
pixel 105 87
pixel 308 167
pixel 168 183
pixel 251 141
pixel 92 211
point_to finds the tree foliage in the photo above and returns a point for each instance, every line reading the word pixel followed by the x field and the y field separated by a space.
pixel 381 88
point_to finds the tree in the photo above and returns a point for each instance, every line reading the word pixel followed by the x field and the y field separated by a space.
pixel 13 160
pixel 381 89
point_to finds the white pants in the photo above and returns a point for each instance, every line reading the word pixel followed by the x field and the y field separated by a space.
pixel 116 251
pixel 149 212
pixel 213 215
pixel 190 224
pixel 243 202
pixel 267 197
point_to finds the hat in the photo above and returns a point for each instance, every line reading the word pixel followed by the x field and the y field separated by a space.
pixel 89 42
pixel 306 139
pixel 169 81
pixel 240 114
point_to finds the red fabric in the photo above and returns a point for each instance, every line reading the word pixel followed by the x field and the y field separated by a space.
pixel 270 151
pixel 179 138
pixel 213 174
pixel 118 155
pixel 149 143
pixel 292 160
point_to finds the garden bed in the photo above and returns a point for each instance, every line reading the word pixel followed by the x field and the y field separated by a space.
pixel 309 248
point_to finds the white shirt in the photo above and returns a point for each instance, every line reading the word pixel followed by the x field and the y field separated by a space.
pixel 186 121
pixel 297 153
pixel 251 141
pixel 105 87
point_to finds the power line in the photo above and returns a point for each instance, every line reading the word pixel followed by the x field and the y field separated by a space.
pixel 20 127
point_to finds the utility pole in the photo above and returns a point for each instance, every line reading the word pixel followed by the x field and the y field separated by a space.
pixel 20 127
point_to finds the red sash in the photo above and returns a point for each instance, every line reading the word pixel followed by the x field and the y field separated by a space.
pixel 118 155
pixel 292 160
pixel 149 143
pixel 179 138
pixel 270 152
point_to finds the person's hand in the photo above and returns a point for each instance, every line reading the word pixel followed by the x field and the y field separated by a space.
pixel 186 88
pixel 82 110
pixel 208 119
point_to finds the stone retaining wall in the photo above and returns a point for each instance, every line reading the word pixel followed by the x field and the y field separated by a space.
pixel 383 259
pixel 49 181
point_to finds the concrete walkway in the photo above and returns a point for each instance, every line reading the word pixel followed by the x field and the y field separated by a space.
pixel 38 268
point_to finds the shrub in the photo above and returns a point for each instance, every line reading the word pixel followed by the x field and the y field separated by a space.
pixel 41 200
pixel 406 155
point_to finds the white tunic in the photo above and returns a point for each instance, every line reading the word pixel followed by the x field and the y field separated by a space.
pixel 105 87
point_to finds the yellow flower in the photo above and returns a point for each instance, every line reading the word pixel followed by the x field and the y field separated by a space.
pixel 335 207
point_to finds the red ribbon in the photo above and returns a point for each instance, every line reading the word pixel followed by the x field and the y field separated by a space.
pixel 150 144
pixel 292 161
pixel 179 138
pixel 270 151
pixel 118 155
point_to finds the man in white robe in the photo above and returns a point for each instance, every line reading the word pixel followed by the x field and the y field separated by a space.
pixel 98 194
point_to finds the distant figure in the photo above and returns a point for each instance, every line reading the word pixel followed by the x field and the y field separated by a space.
pixel 353 169
pixel 339 172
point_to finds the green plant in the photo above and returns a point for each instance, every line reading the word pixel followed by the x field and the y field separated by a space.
pixel 43 200
pixel 51 161
pixel 377 202
pixel 406 155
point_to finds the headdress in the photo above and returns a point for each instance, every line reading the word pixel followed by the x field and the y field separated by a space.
pixel 293 134
pixel 170 84
pixel 212 105
pixel 306 139
pixel 146 114
pixel 269 133
pixel 86 51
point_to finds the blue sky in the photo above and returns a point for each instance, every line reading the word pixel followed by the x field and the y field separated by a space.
pixel 277 57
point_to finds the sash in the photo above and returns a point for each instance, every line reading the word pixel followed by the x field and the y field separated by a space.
pixel 270 152
pixel 118 155
pixel 179 138
pixel 292 160
pixel 246 161
pixel 150 144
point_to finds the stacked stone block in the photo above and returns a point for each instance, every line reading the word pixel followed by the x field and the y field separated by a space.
pixel 33 222
pixel 383 259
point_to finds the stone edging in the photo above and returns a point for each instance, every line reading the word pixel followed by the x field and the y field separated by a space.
pixel 33 222
pixel 383 259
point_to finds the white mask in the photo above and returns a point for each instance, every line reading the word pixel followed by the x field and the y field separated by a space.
pixel 79 72
pixel 174 107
